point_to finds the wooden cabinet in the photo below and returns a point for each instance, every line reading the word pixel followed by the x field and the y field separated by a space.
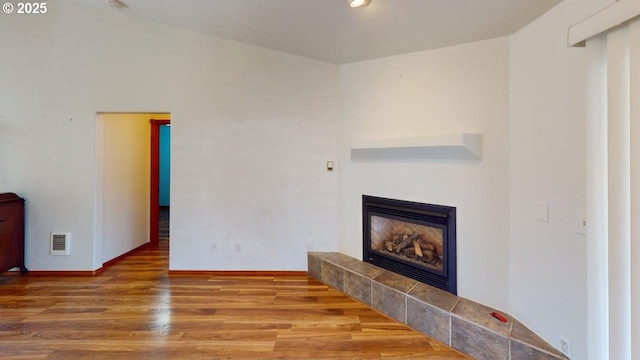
pixel 11 232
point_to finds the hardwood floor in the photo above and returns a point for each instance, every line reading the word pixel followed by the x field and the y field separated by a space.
pixel 135 310
pixel 163 223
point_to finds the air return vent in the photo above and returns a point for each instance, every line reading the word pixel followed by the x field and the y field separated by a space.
pixel 60 243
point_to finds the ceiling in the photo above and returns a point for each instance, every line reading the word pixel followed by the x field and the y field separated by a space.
pixel 331 31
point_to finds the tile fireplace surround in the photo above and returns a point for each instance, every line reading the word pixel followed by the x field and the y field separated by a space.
pixel 458 322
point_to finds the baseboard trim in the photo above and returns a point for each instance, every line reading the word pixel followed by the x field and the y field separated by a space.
pixel 130 252
pixel 248 273
pixel 64 273
pixel 88 272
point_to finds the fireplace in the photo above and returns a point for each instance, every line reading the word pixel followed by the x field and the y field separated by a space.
pixel 413 239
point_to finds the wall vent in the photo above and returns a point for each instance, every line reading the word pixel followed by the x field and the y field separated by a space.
pixel 60 243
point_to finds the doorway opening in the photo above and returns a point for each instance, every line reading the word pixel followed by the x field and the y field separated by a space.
pixel 159 195
pixel 123 182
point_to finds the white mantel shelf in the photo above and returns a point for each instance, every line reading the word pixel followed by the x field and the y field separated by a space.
pixel 453 146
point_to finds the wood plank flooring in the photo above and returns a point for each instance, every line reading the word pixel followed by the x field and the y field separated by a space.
pixel 135 310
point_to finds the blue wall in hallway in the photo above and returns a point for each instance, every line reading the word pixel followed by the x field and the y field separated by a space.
pixel 165 165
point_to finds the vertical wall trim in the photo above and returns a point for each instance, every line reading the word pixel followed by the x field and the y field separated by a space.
pixel 98 229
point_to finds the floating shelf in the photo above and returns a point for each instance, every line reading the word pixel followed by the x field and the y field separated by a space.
pixel 453 146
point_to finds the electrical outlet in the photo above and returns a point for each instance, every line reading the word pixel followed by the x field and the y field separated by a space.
pixel 542 211
pixel 565 346
pixel 237 247
pixel 214 247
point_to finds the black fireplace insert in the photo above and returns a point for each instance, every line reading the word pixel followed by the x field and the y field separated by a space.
pixel 414 239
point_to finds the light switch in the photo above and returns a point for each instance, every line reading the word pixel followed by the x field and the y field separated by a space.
pixel 329 165
pixel 542 211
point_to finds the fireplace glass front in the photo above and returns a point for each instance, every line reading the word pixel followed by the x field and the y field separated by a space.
pixel 413 239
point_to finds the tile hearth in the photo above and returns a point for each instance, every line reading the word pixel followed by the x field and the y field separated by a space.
pixel 458 322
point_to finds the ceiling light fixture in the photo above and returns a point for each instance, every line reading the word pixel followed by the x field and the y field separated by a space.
pixel 118 4
pixel 358 3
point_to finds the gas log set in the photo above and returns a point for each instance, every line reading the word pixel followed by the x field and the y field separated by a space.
pixel 415 247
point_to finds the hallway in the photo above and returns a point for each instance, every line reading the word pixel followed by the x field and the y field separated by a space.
pixel 163 223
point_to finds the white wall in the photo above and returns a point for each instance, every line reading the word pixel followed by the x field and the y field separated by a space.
pixel 125 171
pixel 444 91
pixel 245 121
pixel 259 183
pixel 547 91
